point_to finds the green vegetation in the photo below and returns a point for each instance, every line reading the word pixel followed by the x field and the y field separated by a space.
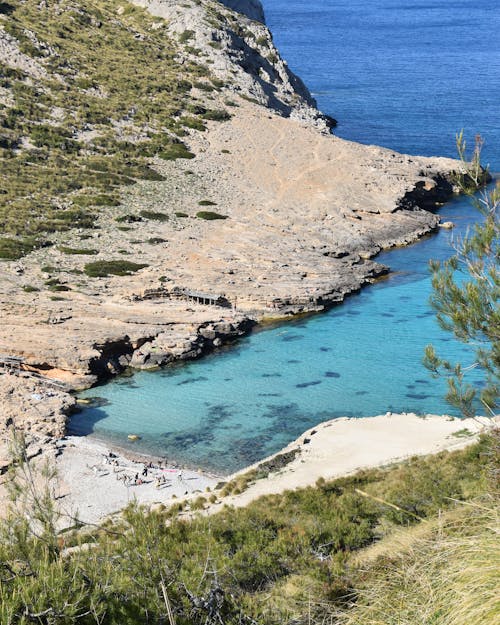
pixel 217 115
pixel 466 290
pixel 156 240
pixel 105 63
pixel 180 214
pixel 209 215
pixel 12 249
pixel 154 215
pixel 77 250
pixel 300 557
pixel 103 268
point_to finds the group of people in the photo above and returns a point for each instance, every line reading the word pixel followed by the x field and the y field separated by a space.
pixel 148 470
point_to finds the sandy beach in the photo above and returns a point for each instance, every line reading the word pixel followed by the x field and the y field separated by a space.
pixel 92 485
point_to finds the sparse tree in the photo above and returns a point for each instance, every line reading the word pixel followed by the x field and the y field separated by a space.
pixel 465 294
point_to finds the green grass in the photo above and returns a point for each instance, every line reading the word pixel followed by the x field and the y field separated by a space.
pixel 154 215
pixel 103 66
pixel 447 574
pixel 103 268
pixel 14 248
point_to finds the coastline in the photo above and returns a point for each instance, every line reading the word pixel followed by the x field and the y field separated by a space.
pixel 304 214
pixel 88 484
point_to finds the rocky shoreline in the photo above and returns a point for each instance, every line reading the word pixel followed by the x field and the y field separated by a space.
pixel 300 214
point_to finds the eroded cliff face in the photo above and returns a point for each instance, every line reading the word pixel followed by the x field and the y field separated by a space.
pixel 273 212
pixel 232 38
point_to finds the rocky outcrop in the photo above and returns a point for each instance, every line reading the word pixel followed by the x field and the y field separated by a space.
pixel 240 52
pixel 250 8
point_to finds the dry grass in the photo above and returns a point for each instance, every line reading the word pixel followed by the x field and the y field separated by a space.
pixel 448 574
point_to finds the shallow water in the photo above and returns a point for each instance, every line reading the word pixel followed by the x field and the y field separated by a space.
pixel 406 78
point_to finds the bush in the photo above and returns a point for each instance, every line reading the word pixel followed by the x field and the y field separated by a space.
pixel 12 249
pixel 217 115
pixel 207 203
pixel 186 36
pixel 175 151
pixel 209 215
pixel 154 215
pixel 103 268
pixel 156 240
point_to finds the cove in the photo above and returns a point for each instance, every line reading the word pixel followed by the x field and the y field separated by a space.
pixel 408 78
pixel 235 407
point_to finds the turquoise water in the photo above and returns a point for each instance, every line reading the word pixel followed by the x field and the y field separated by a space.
pixel 364 357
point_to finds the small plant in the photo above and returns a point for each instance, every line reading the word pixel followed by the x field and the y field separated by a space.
pixel 128 219
pixel 186 36
pixel 180 214
pixel 217 115
pixel 209 215
pixel 28 288
pixel 192 122
pixel 154 215
pixel 103 268
pixel 13 249
pixel 198 503
pixel 175 151
pixel 156 240
pixel 207 203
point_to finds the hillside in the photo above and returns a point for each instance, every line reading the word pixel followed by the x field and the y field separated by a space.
pixel 153 154
pixel 408 543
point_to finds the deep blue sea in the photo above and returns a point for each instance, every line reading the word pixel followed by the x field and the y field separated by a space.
pixel 407 75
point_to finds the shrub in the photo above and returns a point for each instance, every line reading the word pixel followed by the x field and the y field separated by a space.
pixel 180 214
pixel 209 215
pixel 103 268
pixel 12 249
pixel 128 219
pixel 186 36
pixel 218 115
pixel 155 241
pixel 175 151
pixel 154 215
pixel 207 203
pixel 96 200
pixel 192 122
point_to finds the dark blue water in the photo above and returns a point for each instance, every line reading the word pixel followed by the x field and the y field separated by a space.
pixel 407 78
pixel 405 74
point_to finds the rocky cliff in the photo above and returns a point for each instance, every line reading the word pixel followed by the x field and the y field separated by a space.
pixel 232 38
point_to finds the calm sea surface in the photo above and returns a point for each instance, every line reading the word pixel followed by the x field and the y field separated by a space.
pixel 406 75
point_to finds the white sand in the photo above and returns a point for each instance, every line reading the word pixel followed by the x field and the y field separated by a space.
pixel 335 448
pixel 344 445
pixel 90 489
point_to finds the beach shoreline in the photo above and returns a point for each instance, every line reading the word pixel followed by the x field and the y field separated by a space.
pixel 88 487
